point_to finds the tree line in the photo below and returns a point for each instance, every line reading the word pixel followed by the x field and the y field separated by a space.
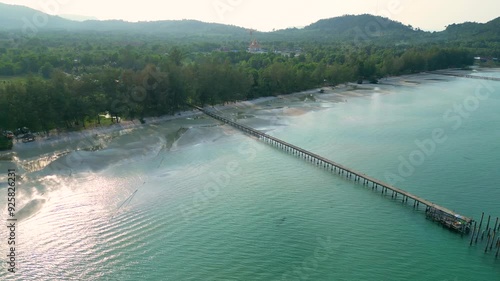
pixel 65 88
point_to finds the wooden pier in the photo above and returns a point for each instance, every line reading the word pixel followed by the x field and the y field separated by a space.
pixel 440 214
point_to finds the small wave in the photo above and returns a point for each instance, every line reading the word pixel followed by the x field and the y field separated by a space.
pixel 199 135
pixel 30 209
pixel 7 156
pixel 40 162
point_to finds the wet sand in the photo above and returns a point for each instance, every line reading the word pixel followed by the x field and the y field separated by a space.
pixel 283 105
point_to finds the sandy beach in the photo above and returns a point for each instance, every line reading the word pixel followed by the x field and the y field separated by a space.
pixel 289 105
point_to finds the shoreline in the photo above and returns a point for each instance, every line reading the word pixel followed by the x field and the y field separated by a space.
pixel 336 94
pixel 96 133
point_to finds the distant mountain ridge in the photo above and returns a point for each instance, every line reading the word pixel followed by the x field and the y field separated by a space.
pixel 347 23
pixel 14 17
pixel 20 18
pixel 78 17
pixel 489 31
pixel 349 27
pixel 354 27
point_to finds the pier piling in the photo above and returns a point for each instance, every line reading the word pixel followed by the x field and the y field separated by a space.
pixel 488 224
pixel 479 229
pixel 487 244
pixel 498 248
pixel 473 231
pixel 493 240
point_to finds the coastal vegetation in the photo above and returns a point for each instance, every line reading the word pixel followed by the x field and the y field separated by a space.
pixel 5 143
pixel 139 81
pixel 70 78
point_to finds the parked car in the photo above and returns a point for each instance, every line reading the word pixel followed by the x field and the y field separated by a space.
pixel 28 138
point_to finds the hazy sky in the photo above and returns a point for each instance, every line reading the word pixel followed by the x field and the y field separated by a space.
pixel 432 15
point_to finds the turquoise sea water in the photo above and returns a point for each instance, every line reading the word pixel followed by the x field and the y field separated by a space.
pixel 214 204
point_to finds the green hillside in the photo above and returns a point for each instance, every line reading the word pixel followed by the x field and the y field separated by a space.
pixel 20 18
pixel 349 28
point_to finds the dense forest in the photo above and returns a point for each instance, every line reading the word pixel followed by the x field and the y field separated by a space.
pixel 66 79
pixel 64 86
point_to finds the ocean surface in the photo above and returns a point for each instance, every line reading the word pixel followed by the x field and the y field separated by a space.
pixel 191 199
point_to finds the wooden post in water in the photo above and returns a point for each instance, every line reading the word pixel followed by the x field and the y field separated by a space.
pixel 480 224
pixel 498 247
pixel 488 225
pixel 487 244
pixel 487 228
pixel 472 238
pixel 493 239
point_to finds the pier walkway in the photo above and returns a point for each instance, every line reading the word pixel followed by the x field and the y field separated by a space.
pixel 444 216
